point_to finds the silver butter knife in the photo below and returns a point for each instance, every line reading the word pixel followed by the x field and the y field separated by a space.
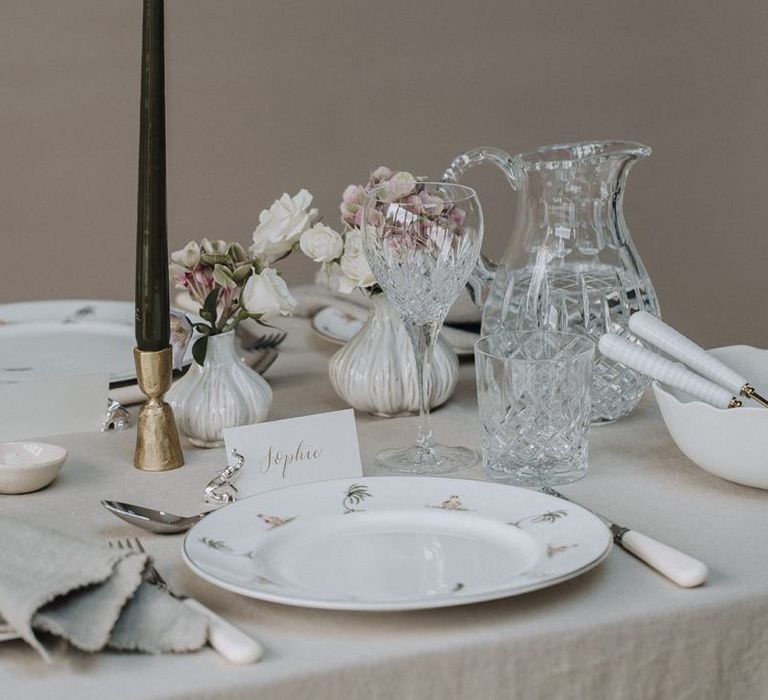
pixel 681 568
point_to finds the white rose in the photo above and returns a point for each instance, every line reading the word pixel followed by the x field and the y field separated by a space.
pixel 267 295
pixel 321 243
pixel 354 266
pixel 282 224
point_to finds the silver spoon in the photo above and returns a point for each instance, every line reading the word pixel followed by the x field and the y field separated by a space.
pixel 159 521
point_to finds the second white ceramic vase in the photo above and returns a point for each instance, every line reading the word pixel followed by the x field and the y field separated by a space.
pixel 376 370
pixel 223 393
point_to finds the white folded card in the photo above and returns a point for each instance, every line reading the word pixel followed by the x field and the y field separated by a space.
pixel 53 406
pixel 295 450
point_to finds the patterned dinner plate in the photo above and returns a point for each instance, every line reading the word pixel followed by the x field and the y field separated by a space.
pixel 45 339
pixel 394 543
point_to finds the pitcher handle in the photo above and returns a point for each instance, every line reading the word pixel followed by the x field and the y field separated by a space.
pixel 477 156
pixel 480 280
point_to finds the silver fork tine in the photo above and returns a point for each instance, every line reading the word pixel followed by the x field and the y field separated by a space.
pixel 252 342
pixel 153 575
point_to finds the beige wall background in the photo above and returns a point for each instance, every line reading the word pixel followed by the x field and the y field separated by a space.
pixel 267 96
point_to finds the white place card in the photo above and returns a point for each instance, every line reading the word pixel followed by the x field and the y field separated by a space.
pixel 55 406
pixel 295 450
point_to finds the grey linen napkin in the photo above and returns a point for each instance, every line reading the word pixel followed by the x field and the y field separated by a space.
pixel 88 594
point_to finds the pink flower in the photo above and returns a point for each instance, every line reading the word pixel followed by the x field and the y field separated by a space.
pixel 433 204
pixel 351 201
pixel 399 186
pixel 413 204
pixel 200 283
pixel 379 175
pixel 457 216
pixel 350 194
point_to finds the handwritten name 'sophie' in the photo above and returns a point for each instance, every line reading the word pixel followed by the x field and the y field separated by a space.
pixel 283 459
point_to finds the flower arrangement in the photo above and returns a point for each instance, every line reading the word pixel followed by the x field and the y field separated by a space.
pixel 341 254
pixel 231 284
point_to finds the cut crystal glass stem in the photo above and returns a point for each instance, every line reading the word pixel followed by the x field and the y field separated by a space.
pixel 423 342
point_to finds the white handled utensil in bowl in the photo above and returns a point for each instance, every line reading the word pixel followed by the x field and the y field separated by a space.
pixel 652 329
pixel 660 368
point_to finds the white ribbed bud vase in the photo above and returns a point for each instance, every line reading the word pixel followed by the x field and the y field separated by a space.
pixel 376 370
pixel 223 393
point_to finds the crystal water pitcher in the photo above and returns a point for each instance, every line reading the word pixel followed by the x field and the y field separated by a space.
pixel 570 264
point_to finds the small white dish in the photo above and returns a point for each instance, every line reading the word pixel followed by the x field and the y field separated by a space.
pixel 394 543
pixel 731 443
pixel 29 466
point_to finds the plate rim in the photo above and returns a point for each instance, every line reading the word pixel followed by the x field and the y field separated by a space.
pixel 115 304
pixel 398 606
pixel 336 340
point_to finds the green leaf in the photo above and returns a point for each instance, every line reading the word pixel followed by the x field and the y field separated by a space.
pixel 199 348
pixel 209 310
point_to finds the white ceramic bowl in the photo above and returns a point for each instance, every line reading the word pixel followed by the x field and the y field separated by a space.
pixel 731 443
pixel 28 466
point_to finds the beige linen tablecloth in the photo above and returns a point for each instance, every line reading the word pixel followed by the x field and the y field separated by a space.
pixel 620 631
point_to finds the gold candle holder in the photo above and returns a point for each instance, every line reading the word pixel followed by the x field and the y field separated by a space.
pixel 157 440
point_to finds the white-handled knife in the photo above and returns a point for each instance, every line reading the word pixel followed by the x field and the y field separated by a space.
pixel 677 566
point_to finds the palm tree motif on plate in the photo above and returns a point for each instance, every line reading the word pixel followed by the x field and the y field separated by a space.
pixel 354 496
pixel 221 546
pixel 218 545
pixel 550 516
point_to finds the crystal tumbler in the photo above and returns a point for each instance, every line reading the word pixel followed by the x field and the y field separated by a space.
pixel 533 390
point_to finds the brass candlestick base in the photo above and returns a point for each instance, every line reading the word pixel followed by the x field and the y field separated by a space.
pixel 157 439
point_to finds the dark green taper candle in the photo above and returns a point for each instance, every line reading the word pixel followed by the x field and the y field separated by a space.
pixel 152 304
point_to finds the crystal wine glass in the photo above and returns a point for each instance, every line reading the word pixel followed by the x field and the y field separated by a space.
pixel 422 240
